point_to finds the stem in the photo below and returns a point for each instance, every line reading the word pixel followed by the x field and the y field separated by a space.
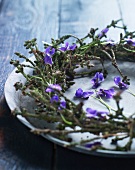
pixel 65 121
pixel 107 54
pixel 93 139
pixel 48 44
pixel 131 135
pixel 114 63
pixel 104 103
pixel 76 38
pixel 87 73
pixel 133 94
pixel 113 59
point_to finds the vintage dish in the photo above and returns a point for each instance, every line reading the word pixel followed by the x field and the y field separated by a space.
pixel 16 100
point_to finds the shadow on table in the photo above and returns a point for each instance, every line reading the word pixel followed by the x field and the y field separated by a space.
pixel 19 147
pixel 24 150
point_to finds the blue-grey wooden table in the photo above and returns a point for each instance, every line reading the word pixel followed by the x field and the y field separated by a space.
pixel 21 20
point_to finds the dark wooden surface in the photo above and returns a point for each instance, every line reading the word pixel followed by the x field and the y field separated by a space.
pixel 21 20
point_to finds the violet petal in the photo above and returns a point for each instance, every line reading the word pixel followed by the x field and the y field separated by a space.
pixel 79 93
pixel 48 60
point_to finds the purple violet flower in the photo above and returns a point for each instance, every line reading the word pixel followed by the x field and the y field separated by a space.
pixel 49 51
pixel 106 93
pixel 91 113
pixel 67 47
pixel 53 87
pixel 130 41
pixel 48 60
pixel 97 80
pixel 62 105
pixel 81 94
pixel 54 98
pixel 48 55
pixel 103 32
pixel 118 82
pixel 92 145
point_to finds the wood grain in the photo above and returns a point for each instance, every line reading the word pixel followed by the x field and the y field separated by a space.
pixel 78 16
pixel 21 20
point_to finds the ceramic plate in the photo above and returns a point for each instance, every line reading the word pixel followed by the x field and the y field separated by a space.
pixel 16 100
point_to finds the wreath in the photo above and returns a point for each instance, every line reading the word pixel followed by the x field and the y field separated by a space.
pixel 54 73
